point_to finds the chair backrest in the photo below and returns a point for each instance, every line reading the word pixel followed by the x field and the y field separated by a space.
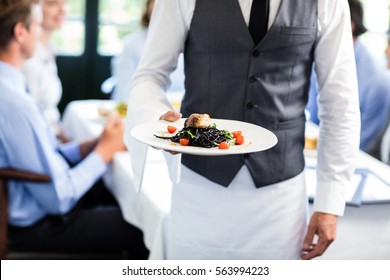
pixel 5 175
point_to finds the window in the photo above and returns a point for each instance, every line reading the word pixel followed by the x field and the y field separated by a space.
pixel 117 18
pixel 70 39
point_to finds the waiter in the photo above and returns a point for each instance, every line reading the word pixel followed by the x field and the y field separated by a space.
pixel 251 61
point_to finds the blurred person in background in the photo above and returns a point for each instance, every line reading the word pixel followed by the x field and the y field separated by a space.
pixel 40 70
pixel 373 85
pixel 381 149
pixel 125 64
pixel 71 213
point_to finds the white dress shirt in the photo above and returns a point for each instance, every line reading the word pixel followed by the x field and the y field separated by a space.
pixel 43 83
pixel 335 67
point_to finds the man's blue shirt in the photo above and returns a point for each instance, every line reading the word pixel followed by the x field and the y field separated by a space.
pixel 27 143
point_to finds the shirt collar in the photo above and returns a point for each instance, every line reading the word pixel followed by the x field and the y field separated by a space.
pixel 13 75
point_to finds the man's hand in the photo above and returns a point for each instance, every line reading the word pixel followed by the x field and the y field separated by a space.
pixel 111 140
pixel 324 226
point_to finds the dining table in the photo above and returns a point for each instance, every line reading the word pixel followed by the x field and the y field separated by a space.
pixel 363 232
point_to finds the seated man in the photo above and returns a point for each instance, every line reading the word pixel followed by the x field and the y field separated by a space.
pixel 52 216
pixel 373 84
pixel 381 148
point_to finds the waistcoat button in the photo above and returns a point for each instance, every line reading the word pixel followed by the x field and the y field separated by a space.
pixel 250 106
pixel 252 79
pixel 255 53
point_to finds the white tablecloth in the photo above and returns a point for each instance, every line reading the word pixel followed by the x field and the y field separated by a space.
pixel 363 232
pixel 147 209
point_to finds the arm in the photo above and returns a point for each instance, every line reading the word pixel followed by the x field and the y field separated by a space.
pixel 166 36
pixel 165 41
pixel 339 123
pixel 111 140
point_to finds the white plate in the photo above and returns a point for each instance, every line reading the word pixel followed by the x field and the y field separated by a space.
pixel 256 137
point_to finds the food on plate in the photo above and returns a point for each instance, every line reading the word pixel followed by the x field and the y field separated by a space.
pixel 121 108
pixel 104 112
pixel 171 129
pixel 240 140
pixel 198 131
pixel 198 121
pixel 184 141
pixel 223 145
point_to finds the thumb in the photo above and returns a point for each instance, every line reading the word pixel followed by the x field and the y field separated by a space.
pixel 171 116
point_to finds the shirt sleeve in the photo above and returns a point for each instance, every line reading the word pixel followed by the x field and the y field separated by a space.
pixel 71 151
pixel 338 104
pixel 148 100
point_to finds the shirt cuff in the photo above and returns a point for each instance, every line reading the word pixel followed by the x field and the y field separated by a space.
pixel 330 198
pixel 71 151
pixel 96 163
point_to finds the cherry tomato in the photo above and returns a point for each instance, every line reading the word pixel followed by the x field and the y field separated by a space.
pixel 171 129
pixel 184 141
pixel 237 133
pixel 240 140
pixel 223 145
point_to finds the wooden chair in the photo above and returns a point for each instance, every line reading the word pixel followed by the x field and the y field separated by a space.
pixel 5 175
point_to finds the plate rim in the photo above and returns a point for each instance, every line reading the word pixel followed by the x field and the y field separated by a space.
pixel 199 150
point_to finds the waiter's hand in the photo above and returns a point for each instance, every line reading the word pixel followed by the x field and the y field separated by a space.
pixel 171 116
pixel 324 226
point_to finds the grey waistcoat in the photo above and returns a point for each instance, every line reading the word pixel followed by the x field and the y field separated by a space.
pixel 230 78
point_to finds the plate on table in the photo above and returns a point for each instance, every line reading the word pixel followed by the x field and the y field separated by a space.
pixel 104 112
pixel 257 138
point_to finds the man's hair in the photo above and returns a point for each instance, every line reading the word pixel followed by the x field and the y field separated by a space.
pixel 11 13
pixel 145 19
pixel 357 15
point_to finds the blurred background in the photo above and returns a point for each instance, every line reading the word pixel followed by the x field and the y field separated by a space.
pixel 91 34
pixel 94 29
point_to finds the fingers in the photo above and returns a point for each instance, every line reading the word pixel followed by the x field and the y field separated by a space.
pixel 115 119
pixel 322 245
pixel 323 225
pixel 316 250
pixel 308 245
pixel 171 152
pixel 171 116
